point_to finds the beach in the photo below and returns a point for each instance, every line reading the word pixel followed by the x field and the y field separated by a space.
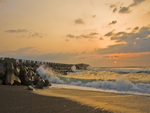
pixel 115 102
pixel 16 99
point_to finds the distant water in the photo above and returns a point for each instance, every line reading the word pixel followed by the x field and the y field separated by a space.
pixel 130 80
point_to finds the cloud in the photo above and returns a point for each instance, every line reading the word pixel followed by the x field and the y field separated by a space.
pixel 135 29
pixel 66 40
pixel 128 28
pixel 110 57
pixel 93 16
pixel 16 31
pixel 127 9
pixel 23 53
pixel 113 22
pixel 101 38
pixel 37 35
pixel 32 53
pixel 124 10
pixel 70 36
pixel 95 58
pixel 115 6
pixel 136 2
pixel 109 33
pixel 115 9
pixel 85 36
pixel 26 33
pixel 92 34
pixel 131 42
pixel 79 21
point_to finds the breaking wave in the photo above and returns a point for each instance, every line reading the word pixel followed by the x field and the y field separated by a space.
pixel 120 85
pixel 124 70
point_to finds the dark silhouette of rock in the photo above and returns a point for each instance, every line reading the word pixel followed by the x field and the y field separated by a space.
pixel 17 71
pixel 47 83
pixel 17 81
pixel 14 72
pixel 9 80
pixel 1 59
pixel 81 66
pixel 36 79
pixel 23 76
pixel 30 68
pixel 2 70
pixel 40 84
pixel 29 74
pixel 1 82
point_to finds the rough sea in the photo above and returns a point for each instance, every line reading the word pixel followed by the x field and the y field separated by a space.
pixel 127 80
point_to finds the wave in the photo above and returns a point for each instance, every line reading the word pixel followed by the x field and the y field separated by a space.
pixel 74 69
pixel 117 70
pixel 120 85
pixel 123 70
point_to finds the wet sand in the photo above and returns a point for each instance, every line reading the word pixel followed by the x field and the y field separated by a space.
pixel 118 103
pixel 15 99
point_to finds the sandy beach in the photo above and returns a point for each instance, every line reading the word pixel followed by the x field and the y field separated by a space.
pixel 118 103
pixel 15 99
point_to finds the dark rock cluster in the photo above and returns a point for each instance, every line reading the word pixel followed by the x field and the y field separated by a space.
pixel 63 69
pixel 24 72
pixel 21 73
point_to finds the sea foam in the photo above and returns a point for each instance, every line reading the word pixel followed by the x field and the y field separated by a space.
pixel 120 85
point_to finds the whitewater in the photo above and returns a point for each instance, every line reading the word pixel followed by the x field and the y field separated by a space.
pixel 128 80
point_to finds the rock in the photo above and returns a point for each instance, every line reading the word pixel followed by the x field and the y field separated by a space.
pixel 40 84
pixel 29 74
pixel 17 81
pixel 33 74
pixel 23 76
pixel 30 88
pixel 14 62
pixel 31 68
pixel 17 71
pixel 47 83
pixel 36 79
pixel 2 71
pixel 9 80
pixel 1 82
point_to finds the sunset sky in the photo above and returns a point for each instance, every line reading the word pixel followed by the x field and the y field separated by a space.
pixel 97 32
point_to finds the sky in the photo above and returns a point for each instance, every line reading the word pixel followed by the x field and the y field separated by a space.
pixel 101 33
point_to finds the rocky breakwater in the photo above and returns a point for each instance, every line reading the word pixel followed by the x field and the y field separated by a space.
pixel 24 72
pixel 21 73
pixel 63 69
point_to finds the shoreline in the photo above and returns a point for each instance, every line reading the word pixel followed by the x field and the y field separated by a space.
pixel 115 102
pixel 16 99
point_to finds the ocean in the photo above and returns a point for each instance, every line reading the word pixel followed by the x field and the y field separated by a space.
pixel 127 80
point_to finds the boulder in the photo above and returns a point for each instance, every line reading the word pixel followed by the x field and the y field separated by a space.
pixel 9 80
pixel 23 76
pixel 30 88
pixel 32 63
pixel 29 74
pixel 1 82
pixel 36 79
pixel 34 74
pixel 17 81
pixel 17 71
pixel 47 83
pixel 30 68
pixel 13 61
pixel 40 84
pixel 2 71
